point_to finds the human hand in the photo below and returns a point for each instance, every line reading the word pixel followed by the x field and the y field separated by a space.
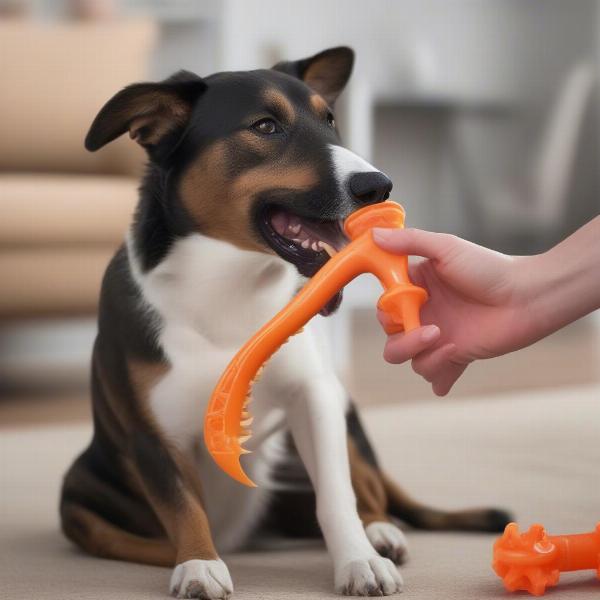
pixel 478 304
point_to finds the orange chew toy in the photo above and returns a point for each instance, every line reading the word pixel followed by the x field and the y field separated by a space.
pixel 226 415
pixel 533 560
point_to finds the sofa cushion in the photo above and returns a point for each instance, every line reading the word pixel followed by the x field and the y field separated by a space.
pixel 55 78
pixel 51 281
pixel 65 210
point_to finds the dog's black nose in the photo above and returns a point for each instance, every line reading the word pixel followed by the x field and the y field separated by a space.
pixel 372 186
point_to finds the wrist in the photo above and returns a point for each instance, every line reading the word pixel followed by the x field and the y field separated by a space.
pixel 559 287
pixel 536 282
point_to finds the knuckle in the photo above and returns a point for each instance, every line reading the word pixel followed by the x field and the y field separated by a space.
pixel 417 367
pixel 448 241
pixel 422 370
pixel 394 356
pixel 390 355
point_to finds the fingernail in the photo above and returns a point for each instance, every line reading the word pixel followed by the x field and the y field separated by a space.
pixel 381 234
pixel 430 333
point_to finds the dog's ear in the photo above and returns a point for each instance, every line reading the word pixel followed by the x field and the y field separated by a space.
pixel 326 72
pixel 149 111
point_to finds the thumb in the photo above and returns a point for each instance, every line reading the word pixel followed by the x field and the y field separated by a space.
pixel 416 242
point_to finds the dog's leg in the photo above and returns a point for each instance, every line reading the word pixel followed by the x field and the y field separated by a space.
pixel 371 502
pixel 317 421
pixel 404 507
pixel 369 481
pixel 101 538
pixel 371 496
pixel 93 511
pixel 174 492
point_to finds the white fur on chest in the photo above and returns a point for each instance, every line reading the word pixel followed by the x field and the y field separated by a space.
pixel 203 293
pixel 211 297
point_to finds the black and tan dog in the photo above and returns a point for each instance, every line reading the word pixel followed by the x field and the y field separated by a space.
pixel 245 188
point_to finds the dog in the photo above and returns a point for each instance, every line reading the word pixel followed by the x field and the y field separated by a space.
pixel 244 191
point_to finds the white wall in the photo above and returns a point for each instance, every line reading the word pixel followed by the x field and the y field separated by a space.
pixel 382 32
pixel 511 52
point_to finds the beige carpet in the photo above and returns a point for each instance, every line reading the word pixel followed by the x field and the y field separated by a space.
pixel 538 454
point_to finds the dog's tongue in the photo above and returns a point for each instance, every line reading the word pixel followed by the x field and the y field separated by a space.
pixel 332 304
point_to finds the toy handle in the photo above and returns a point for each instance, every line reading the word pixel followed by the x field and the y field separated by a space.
pixel 401 299
pixel 401 304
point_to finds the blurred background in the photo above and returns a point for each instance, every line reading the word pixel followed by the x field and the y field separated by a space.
pixel 484 113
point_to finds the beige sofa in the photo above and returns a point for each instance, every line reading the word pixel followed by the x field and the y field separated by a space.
pixel 63 210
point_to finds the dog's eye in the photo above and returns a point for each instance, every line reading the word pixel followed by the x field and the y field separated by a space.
pixel 266 127
pixel 330 120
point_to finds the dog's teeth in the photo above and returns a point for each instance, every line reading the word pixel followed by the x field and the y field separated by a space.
pixel 329 249
pixel 306 243
pixel 242 439
pixel 315 246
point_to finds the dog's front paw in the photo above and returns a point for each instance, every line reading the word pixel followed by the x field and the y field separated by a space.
pixel 376 576
pixel 388 540
pixel 205 579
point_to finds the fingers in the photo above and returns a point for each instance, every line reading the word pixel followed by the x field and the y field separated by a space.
pixel 439 367
pixel 427 364
pixel 447 378
pixel 413 241
pixel 436 365
pixel 404 346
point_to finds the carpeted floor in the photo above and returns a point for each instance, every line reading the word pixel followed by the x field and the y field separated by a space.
pixel 537 454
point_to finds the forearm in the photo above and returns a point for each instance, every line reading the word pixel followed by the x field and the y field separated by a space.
pixel 563 284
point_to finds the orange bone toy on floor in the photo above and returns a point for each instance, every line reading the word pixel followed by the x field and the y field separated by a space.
pixel 533 560
pixel 226 415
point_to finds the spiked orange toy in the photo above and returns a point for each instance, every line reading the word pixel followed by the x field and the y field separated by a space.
pixel 533 560
pixel 226 417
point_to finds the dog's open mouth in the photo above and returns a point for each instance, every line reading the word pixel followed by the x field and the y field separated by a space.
pixel 306 242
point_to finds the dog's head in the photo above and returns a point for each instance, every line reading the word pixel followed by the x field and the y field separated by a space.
pixel 254 157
